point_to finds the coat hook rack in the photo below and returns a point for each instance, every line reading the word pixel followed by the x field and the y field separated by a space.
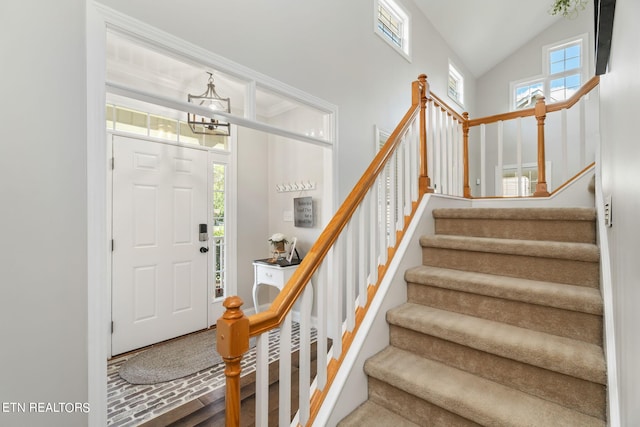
pixel 295 186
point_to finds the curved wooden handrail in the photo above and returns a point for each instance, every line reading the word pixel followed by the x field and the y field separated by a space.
pixel 585 89
pixel 527 112
pixel 283 303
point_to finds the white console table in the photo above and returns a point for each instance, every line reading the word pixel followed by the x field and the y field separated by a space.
pixel 275 275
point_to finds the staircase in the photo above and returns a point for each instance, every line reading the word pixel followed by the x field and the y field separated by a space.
pixel 502 327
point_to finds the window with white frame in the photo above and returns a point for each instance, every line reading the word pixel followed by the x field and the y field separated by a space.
pixel 391 23
pixel 564 71
pixel 527 93
pixel 456 85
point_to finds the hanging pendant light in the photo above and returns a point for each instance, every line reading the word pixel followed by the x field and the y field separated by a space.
pixel 209 99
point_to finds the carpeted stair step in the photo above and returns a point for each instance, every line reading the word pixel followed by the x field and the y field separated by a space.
pixel 565 310
pixel 553 224
pixel 569 372
pixel 372 414
pixel 462 394
pixel 559 262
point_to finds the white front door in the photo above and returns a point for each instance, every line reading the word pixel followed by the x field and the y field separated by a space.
pixel 159 274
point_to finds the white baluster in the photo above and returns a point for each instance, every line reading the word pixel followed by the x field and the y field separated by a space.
pixel 262 380
pixel 336 297
pixel 583 139
pixel 408 177
pixel 519 156
pixel 382 249
pixel 362 250
pixel 304 374
pixel 321 307
pixel 483 160
pixel 564 141
pixel 449 154
pixel 437 160
pixel 350 279
pixel 392 201
pixel 373 235
pixel 284 385
pixel 499 188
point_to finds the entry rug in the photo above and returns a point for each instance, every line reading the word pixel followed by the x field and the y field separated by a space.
pixel 173 360
pixel 131 405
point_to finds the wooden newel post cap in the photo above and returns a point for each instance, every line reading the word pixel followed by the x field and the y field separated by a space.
pixel 232 330
pixel 540 108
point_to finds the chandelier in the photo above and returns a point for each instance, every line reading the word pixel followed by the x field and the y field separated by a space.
pixel 209 99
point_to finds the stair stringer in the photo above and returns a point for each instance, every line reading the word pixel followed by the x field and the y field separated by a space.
pixel 349 388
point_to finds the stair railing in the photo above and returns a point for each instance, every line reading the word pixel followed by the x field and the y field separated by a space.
pixel 344 266
pixel 427 152
pixel 541 111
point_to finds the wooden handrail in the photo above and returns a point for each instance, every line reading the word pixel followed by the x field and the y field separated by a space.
pixel 235 328
pixel 540 111
pixel 282 304
pixel 528 112
pixel 568 103
pixel 445 107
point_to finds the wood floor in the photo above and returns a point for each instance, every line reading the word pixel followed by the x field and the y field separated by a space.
pixel 208 410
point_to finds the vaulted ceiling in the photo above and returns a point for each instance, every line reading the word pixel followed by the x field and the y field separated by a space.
pixel 485 32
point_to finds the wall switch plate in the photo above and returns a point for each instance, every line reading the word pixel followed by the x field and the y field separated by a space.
pixel 477 181
pixel 287 216
pixel 608 218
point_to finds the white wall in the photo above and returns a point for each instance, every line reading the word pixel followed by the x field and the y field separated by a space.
pixel 620 153
pixel 253 205
pixel 43 218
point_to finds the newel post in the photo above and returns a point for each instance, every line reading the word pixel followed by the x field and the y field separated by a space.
pixel 232 340
pixel 541 114
pixel 465 154
pixel 421 95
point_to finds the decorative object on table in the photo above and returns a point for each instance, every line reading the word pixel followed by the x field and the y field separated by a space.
pixel 211 100
pixel 568 8
pixel 303 212
pixel 278 241
pixel 293 249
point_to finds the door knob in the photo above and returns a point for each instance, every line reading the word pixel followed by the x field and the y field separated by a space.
pixel 204 250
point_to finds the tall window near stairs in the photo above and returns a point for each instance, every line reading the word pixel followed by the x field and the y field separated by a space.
pixel 564 67
pixel 391 23
pixel 564 70
pixel 455 88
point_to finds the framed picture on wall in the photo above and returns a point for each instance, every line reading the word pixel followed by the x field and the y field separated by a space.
pixel 303 212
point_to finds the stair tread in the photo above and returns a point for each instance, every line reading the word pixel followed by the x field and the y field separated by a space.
pixel 472 397
pixel 587 252
pixel 542 214
pixel 558 295
pixel 372 414
pixel 552 352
